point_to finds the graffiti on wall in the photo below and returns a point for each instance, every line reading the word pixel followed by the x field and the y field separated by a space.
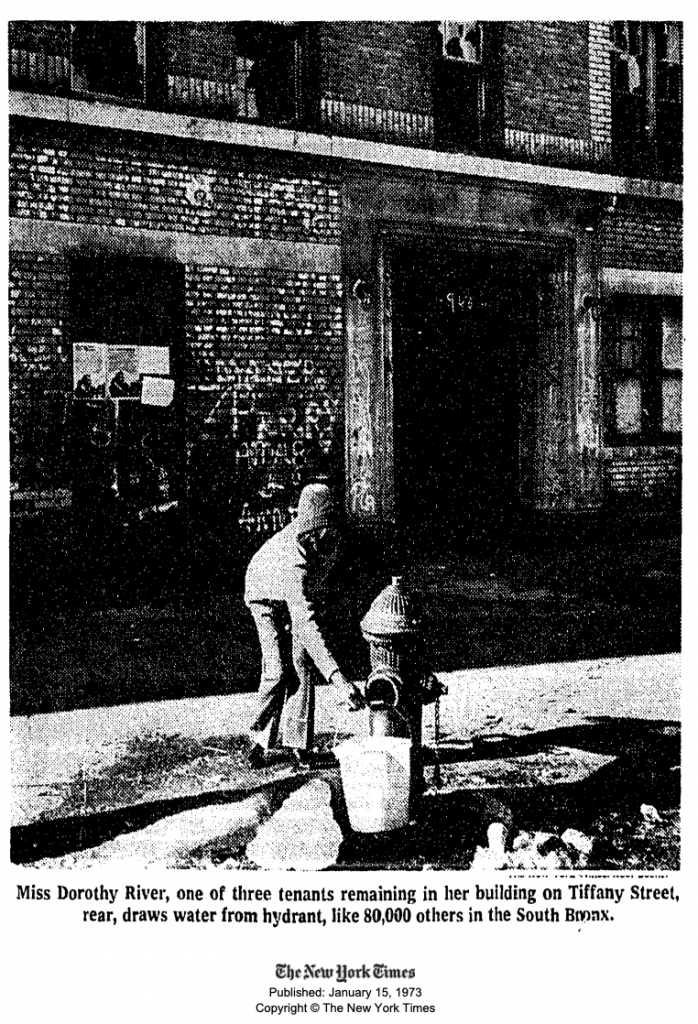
pixel 588 411
pixel 280 424
pixel 363 499
pixel 553 441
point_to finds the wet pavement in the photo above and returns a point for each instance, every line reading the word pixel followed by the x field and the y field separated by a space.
pixel 543 748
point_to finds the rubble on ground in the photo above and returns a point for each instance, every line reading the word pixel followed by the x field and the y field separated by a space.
pixel 538 851
pixel 646 839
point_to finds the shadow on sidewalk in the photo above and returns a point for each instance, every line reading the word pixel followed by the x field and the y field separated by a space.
pixel 606 805
pixel 485 604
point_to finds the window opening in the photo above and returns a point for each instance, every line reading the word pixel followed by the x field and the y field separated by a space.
pixel 459 86
pixel 126 327
pixel 644 371
pixel 108 58
pixel 669 62
pixel 268 72
pixel 462 40
pixel 646 86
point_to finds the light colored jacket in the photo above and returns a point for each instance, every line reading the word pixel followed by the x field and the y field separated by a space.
pixel 286 570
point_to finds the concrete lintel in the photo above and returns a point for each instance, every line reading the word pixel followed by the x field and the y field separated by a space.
pixel 217 250
pixel 642 282
pixel 236 133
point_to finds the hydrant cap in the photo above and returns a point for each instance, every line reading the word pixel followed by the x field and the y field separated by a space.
pixel 392 613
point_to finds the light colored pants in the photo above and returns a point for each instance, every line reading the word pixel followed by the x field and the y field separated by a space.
pixel 286 692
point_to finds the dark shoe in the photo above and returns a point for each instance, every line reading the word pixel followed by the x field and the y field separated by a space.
pixel 261 758
pixel 315 758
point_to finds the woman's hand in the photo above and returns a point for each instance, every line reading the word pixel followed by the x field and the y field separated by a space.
pixel 353 697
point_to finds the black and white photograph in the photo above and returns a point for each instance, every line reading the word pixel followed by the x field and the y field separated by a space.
pixel 345 391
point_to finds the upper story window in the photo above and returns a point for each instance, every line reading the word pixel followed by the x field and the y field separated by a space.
pixel 646 103
pixel 643 371
pixel 465 86
pixel 268 71
pixel 668 43
pixel 245 70
pixel 108 59
pixel 628 57
pixel 462 40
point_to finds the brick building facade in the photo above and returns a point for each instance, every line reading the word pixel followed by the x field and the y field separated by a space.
pixel 415 258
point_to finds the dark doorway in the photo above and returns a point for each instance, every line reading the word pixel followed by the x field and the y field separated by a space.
pixel 463 336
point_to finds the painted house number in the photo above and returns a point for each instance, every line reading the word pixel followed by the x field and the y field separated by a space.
pixel 459 300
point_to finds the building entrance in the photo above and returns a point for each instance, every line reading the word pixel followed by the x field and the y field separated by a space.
pixel 464 340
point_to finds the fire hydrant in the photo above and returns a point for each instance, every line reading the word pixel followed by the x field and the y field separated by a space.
pixel 399 684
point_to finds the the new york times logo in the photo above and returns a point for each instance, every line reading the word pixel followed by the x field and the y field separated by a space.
pixel 342 973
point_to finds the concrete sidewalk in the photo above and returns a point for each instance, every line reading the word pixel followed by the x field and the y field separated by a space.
pixel 52 754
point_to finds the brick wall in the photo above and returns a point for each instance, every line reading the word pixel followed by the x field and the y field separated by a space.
pixel 546 77
pixel 600 82
pixel 265 384
pixel 370 79
pixel 265 347
pixel 375 79
pixel 202 48
pixel 381 63
pixel 194 65
pixel 40 36
pixel 642 236
pixel 39 55
pixel 39 370
pixel 643 475
pixel 189 64
pixel 57 175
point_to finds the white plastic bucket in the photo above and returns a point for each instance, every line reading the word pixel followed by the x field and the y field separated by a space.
pixel 376 780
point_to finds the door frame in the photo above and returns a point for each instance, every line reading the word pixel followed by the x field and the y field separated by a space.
pixel 553 448
pixel 509 339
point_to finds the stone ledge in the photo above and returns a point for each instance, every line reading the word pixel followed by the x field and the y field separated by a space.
pixel 105 115
pixel 642 282
pixel 57 237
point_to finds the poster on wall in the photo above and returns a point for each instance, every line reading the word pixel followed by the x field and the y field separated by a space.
pixel 123 379
pixel 89 371
pixel 157 390
pixel 116 371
